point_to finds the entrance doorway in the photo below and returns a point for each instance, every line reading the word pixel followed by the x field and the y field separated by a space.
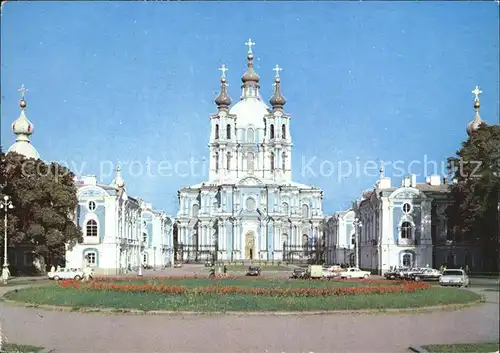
pixel 249 245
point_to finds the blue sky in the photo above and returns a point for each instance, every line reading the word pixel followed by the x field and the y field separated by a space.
pixel 364 81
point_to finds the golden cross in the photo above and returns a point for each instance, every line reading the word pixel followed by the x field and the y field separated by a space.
pixel 476 91
pixel 250 45
pixel 277 69
pixel 23 91
pixel 224 69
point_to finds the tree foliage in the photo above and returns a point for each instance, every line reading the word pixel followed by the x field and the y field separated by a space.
pixel 473 212
pixel 44 199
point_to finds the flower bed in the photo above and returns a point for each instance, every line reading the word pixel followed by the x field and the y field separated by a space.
pixel 110 284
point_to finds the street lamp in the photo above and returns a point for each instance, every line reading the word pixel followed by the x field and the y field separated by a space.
pixel 357 225
pixel 6 205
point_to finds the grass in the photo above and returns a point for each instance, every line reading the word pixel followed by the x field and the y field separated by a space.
pixel 20 348
pixel 463 348
pixel 264 268
pixel 74 298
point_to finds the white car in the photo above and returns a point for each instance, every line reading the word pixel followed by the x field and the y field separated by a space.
pixel 454 278
pixel 67 273
pixel 354 272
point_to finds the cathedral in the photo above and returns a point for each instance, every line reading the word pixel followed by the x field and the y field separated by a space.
pixel 249 208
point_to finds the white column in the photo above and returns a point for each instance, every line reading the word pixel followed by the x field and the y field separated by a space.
pixel 224 238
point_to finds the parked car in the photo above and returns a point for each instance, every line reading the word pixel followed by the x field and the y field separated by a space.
pixel 67 273
pixel 298 273
pixel 354 272
pixel 426 274
pixel 454 278
pixel 177 265
pixel 330 274
pixel 253 271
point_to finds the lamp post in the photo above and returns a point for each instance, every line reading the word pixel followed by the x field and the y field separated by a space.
pixel 357 225
pixel 6 205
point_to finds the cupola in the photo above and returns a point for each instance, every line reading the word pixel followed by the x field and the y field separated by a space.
pixel 277 100
pixel 223 100
pixel 477 122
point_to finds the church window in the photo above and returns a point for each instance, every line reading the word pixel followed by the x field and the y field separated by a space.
pixel 92 206
pixel 407 260
pixel 250 135
pixel 145 237
pixel 283 161
pixel 353 239
pixel 216 131
pixel 305 211
pixel 91 228
pixel 228 161
pixel 250 162
pixel 145 258
pixel 91 258
pixel 216 161
pixel 406 230
pixel 272 160
pixel 272 131
pixel 305 239
pixel 406 208
pixel 284 208
pixel 228 131
pixel 250 204
pixel 196 210
pixel 283 131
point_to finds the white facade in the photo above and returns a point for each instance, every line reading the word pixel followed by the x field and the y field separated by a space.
pixel 119 232
pixel 249 208
pixel 340 238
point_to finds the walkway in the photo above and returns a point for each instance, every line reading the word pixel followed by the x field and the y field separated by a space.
pixel 68 332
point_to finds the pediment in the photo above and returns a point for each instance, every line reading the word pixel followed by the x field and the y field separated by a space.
pixel 91 191
pixel 250 181
pixel 405 193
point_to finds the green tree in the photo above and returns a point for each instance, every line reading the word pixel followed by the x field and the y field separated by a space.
pixel 44 198
pixel 473 211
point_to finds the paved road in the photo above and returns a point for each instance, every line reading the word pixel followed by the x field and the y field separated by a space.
pixel 77 332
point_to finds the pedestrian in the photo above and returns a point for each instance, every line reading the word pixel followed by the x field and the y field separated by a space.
pixel 5 274
pixel 225 269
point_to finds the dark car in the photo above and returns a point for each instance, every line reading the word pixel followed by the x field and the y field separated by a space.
pixel 253 271
pixel 299 273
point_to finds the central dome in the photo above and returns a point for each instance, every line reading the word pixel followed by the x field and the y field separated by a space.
pixel 250 112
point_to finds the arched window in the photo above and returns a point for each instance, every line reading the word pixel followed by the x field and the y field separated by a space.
pixel 283 161
pixel 250 135
pixel 228 161
pixel 91 228
pixel 407 260
pixel 196 210
pixel 228 131
pixel 283 131
pixel 272 131
pixel 305 239
pixel 305 211
pixel 272 160
pixel 250 204
pixel 216 161
pixel 250 162
pixel 216 131
pixel 406 230
pixel 284 208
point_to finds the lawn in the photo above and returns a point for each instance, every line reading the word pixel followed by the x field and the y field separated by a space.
pixel 264 268
pixel 210 302
pixel 20 348
pixel 463 348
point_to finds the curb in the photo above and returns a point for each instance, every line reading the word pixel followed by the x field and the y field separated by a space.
pixel 117 311
pixel 418 349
